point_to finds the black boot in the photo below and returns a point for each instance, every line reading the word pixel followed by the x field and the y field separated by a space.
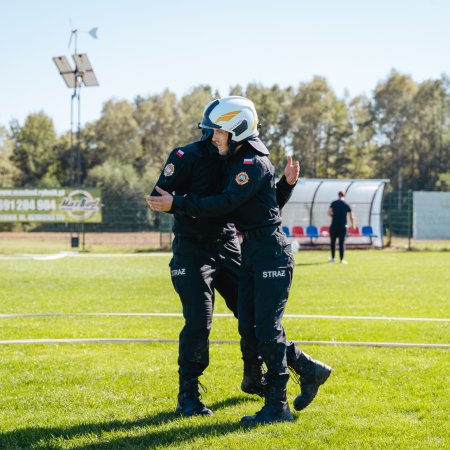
pixel 275 409
pixel 312 374
pixel 254 381
pixel 189 403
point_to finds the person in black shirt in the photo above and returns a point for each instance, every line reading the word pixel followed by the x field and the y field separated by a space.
pixel 207 257
pixel 338 211
pixel 249 200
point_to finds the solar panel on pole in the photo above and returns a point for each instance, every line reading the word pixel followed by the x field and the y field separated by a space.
pixel 68 74
pixel 85 70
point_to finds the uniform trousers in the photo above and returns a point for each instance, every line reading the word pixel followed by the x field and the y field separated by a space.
pixel 264 284
pixel 198 267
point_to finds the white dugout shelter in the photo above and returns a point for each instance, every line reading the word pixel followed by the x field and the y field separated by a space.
pixel 312 197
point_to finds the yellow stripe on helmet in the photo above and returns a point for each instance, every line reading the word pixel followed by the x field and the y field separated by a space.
pixel 227 116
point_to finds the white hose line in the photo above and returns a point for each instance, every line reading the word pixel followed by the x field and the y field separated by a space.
pixel 231 341
pixel 288 316
pixel 53 256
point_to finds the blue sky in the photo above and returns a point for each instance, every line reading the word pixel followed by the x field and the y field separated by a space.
pixel 147 46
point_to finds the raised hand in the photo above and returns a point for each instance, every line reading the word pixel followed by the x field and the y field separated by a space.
pixel 291 171
pixel 162 203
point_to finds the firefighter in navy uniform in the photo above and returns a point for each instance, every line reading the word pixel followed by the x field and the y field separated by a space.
pixel 206 257
pixel 267 263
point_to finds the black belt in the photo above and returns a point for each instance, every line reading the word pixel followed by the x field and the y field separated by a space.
pixel 204 238
pixel 264 231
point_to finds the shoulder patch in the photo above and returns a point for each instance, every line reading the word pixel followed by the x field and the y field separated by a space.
pixel 242 178
pixel 169 170
pixel 180 153
pixel 248 161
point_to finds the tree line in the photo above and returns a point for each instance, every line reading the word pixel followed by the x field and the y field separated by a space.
pixel 401 132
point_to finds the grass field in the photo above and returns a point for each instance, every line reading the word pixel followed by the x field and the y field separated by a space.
pixel 111 396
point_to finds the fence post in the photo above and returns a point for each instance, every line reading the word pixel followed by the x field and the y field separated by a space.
pixel 389 224
pixel 409 218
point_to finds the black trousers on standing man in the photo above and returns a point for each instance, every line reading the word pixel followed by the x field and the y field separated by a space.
pixel 338 232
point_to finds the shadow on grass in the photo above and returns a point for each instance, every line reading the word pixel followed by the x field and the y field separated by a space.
pixel 35 437
pixel 312 264
pixel 153 250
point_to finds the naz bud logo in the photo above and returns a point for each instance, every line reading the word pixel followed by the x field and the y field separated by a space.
pixel 274 273
pixel 80 205
pixel 178 272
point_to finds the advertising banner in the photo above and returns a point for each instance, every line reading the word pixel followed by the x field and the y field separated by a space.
pixel 81 205
pixel 431 218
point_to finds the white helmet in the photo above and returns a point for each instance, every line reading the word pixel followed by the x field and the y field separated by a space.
pixel 234 114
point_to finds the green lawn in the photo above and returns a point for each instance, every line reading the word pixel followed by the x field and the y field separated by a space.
pixel 111 396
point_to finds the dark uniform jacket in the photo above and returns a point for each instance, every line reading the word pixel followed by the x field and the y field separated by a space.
pixel 196 168
pixel 249 176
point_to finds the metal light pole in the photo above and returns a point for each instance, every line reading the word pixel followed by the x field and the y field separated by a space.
pixel 83 74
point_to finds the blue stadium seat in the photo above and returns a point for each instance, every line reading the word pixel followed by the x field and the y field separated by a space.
pixel 286 231
pixel 367 231
pixel 312 232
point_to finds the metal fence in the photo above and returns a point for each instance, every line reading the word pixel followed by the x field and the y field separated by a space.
pixel 397 214
pixel 134 215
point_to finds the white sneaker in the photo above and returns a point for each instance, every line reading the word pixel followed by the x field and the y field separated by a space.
pixel 344 261
pixel 331 259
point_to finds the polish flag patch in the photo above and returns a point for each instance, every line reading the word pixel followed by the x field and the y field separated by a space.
pixel 180 153
pixel 248 161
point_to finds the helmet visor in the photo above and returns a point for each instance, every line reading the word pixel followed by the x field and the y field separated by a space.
pixel 206 120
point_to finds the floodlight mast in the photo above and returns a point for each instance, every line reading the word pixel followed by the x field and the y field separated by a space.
pixel 83 74
pixel 74 79
pixel 75 95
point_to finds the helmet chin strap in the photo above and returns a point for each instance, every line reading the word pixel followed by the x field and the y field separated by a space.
pixel 232 145
pixel 206 134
